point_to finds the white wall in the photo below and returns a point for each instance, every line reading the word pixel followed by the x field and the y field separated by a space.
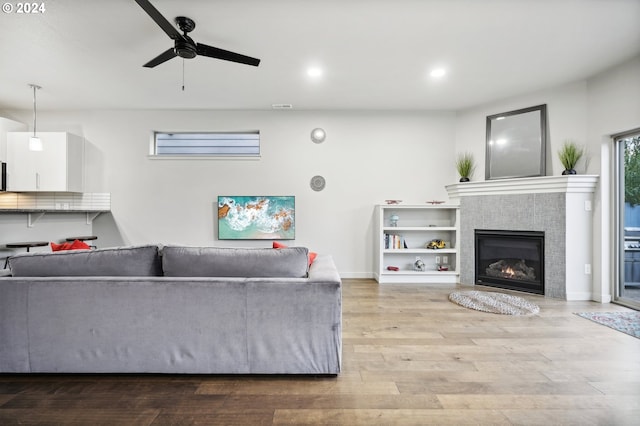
pixel 613 107
pixel 566 119
pixel 367 157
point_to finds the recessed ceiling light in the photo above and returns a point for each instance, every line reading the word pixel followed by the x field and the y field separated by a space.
pixel 314 72
pixel 438 72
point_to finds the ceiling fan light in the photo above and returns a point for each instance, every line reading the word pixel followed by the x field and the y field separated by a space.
pixel 35 143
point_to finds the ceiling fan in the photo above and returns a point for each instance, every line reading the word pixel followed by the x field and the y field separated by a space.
pixel 184 45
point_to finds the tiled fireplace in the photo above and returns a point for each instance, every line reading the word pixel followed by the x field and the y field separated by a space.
pixel 558 207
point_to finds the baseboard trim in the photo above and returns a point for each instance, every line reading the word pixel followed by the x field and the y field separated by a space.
pixel 356 275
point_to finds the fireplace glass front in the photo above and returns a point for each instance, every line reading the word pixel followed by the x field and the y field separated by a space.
pixel 511 260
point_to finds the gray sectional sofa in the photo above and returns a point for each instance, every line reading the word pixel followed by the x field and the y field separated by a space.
pixel 171 309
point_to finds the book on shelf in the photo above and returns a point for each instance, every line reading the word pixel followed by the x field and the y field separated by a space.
pixel 394 242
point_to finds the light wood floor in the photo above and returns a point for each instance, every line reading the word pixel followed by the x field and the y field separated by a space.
pixel 410 357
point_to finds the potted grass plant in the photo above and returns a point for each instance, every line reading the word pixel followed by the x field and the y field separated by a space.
pixel 465 166
pixel 569 154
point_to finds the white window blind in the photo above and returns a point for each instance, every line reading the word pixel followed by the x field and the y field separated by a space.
pixel 229 144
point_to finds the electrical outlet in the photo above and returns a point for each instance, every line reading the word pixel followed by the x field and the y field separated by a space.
pixel 587 268
pixel 438 260
pixel 445 259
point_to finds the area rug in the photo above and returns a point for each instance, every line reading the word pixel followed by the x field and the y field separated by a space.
pixel 495 303
pixel 627 322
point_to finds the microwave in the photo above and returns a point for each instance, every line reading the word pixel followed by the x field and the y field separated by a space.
pixel 3 176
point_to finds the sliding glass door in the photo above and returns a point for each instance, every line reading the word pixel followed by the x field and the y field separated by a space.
pixel 628 214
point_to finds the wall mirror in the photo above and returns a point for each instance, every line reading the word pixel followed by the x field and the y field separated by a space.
pixel 516 143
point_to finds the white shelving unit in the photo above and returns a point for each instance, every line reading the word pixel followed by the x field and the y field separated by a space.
pixel 417 226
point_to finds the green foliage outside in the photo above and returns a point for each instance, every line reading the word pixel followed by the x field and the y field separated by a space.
pixel 632 171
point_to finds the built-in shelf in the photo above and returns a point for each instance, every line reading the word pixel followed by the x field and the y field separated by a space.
pixel 417 226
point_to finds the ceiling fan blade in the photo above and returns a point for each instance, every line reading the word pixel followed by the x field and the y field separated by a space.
pixel 214 52
pixel 163 57
pixel 166 26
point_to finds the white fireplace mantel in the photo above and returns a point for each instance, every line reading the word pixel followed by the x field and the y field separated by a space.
pixel 531 185
pixel 559 206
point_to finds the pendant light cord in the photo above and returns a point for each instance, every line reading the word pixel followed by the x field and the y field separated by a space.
pixel 35 87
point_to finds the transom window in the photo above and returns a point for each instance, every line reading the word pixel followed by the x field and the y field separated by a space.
pixel 212 144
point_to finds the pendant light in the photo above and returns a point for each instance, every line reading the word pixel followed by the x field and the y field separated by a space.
pixel 35 143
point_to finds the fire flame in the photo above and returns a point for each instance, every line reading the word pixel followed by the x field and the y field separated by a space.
pixel 508 271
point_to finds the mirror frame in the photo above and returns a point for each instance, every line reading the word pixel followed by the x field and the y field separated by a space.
pixel 534 143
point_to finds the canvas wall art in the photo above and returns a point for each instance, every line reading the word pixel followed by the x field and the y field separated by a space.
pixel 256 218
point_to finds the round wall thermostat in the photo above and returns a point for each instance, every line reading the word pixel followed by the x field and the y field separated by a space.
pixel 318 183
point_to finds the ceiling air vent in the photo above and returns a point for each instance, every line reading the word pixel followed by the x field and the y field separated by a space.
pixel 281 106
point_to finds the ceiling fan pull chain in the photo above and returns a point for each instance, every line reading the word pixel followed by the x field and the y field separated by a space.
pixel 183 74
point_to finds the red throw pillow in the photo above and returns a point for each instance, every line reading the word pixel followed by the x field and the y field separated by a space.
pixel 79 245
pixel 312 255
pixel 75 245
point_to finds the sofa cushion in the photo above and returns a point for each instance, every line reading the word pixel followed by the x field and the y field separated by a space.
pixel 120 261
pixel 180 261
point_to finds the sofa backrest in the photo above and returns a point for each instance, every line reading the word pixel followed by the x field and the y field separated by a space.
pixel 178 261
pixel 118 261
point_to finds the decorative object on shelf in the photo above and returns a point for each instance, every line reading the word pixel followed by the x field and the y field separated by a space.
pixel 570 153
pixel 393 220
pixel 393 268
pixel 516 143
pixel 393 201
pixel 318 135
pixel 35 143
pixel 419 265
pixel 317 183
pixel 436 244
pixel 256 218
pixel 443 267
pixel 435 202
pixel 465 165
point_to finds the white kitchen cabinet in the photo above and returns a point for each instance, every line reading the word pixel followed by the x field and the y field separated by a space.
pixel 59 167
pixel 7 125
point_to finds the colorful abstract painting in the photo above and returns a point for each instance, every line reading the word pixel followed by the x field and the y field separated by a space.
pixel 256 218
